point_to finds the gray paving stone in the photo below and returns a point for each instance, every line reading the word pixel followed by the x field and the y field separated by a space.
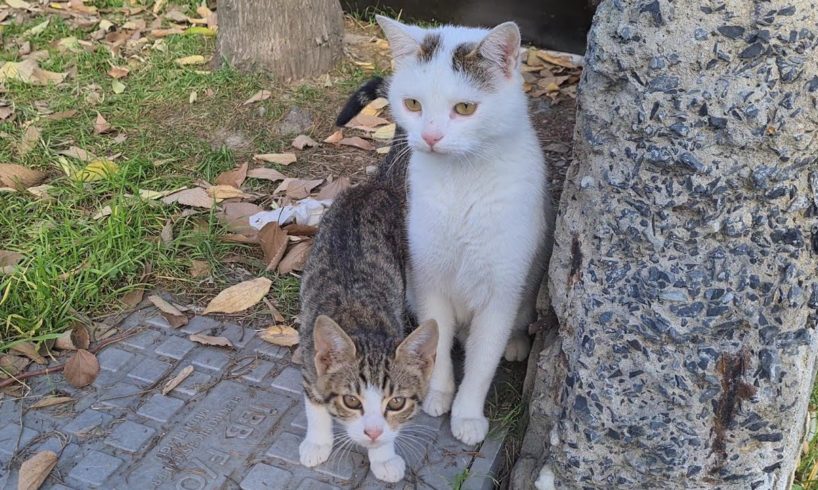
pixel 149 371
pixel 268 350
pixel 300 420
pixel 346 466
pixel 199 324
pixel 155 319
pixel 310 484
pixel 193 384
pixel 486 464
pixel 84 423
pixel 265 477
pixel 113 359
pixel 160 408
pixel 238 335
pixel 260 370
pixel 12 438
pixel 94 468
pixel 130 436
pixel 175 347
pixel 289 380
pixel 210 358
pixel 120 395
pixel 142 340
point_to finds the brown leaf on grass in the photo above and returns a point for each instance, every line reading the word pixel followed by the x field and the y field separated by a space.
pixel 266 174
pixel 211 340
pixel 235 177
pixel 258 97
pixel 166 235
pixel 277 158
pixel 177 380
pixel 79 154
pixel 36 469
pixel 101 125
pixel 6 112
pixel 334 188
pixel 366 122
pixel 172 314
pixel 18 4
pixel 157 7
pixel 303 141
pixel 297 188
pixel 30 139
pixel 335 137
pixel 133 297
pixel 357 142
pixel 175 15
pixel 195 59
pixel 235 217
pixel 51 400
pixel 273 243
pixel 284 336
pixel 82 369
pixel 160 33
pixel 222 192
pixel 199 268
pixel 196 197
pixel 59 116
pixel 375 107
pixel 239 238
pixel 295 258
pixel 294 229
pixel 9 261
pixel 28 71
pixel 12 365
pixel 12 175
pixel 240 296
pixel 29 350
pixel 277 316
pixel 74 339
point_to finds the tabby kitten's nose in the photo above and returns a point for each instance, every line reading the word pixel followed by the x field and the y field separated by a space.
pixel 373 433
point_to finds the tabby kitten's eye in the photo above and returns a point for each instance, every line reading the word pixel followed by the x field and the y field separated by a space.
pixel 352 402
pixel 465 108
pixel 396 403
pixel 412 104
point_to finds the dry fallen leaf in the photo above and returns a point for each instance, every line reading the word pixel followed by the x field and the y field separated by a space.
pixel 385 133
pixel 12 175
pixel 258 97
pixel 303 141
pixel 375 107
pixel 74 339
pixel 366 122
pixel 78 153
pixel 334 188
pixel 277 158
pixel 29 350
pixel 172 314
pixel 101 125
pixel 284 336
pixel 195 59
pixel 105 211
pixel 82 369
pixel 166 235
pixel 40 191
pixel 383 150
pixel 18 4
pixel 28 71
pixel 6 112
pixel 11 365
pixel 335 137
pixel 273 243
pixel 560 59
pixel 239 297
pixel 199 268
pixel 222 192
pixel 295 258
pixel 133 297
pixel 357 142
pixel 118 72
pixel 277 316
pixel 294 229
pixel 235 217
pixel 233 177
pixel 9 261
pixel 266 174
pixel 51 400
pixel 30 139
pixel 196 197
pixel 297 188
pixel 36 469
pixel 211 340
pixel 177 380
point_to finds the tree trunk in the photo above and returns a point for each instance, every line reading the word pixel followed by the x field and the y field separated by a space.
pixel 289 39
pixel 684 269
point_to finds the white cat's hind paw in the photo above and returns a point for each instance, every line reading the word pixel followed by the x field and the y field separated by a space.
pixel 437 402
pixel 517 348
pixel 391 470
pixel 312 454
pixel 470 430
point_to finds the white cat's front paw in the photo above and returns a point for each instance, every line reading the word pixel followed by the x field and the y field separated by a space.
pixel 390 470
pixel 470 430
pixel 517 348
pixel 437 402
pixel 312 454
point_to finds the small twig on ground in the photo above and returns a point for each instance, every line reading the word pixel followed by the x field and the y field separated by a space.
pixel 56 369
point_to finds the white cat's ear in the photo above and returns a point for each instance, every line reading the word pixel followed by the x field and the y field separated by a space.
pixel 402 38
pixel 502 46
pixel 333 347
pixel 420 345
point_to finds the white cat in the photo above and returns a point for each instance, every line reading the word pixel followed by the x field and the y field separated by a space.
pixel 479 206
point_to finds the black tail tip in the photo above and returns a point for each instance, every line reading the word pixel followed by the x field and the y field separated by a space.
pixel 363 96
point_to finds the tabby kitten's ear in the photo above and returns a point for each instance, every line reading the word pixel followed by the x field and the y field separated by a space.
pixel 420 348
pixel 502 46
pixel 333 347
pixel 402 38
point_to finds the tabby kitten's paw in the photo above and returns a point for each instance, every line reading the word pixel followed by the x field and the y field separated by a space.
pixel 390 470
pixel 517 348
pixel 470 430
pixel 437 402
pixel 313 454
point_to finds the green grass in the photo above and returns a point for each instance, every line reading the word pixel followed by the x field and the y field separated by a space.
pixel 809 460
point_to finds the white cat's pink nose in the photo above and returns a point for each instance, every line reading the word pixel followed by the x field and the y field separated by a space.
pixel 373 433
pixel 431 137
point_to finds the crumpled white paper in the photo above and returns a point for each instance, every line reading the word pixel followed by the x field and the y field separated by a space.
pixel 307 211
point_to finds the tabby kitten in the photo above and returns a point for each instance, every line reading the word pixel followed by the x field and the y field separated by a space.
pixel 358 369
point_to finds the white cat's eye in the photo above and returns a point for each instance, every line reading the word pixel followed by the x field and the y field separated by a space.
pixel 396 403
pixel 412 104
pixel 465 108
pixel 352 402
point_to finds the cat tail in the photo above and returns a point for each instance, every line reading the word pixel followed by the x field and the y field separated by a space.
pixel 371 90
